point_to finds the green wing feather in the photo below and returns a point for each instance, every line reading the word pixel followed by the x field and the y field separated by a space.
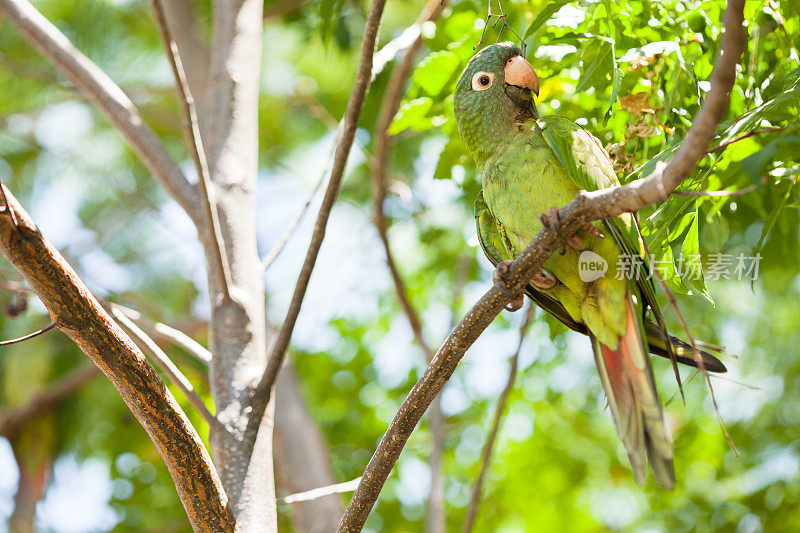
pixel 578 150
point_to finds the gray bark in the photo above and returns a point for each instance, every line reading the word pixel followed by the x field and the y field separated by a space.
pixel 238 338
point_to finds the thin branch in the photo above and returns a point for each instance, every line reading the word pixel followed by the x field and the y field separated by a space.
pixel 29 335
pixel 486 456
pixel 263 391
pixel 725 144
pixel 321 492
pixel 106 95
pixel 587 207
pixel 163 362
pixel 718 194
pixel 196 144
pixel 14 419
pixel 281 244
pixel 501 18
pixel 78 314
pixel 391 102
pixel 173 335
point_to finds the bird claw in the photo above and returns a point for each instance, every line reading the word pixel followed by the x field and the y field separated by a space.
pixel 542 280
pixel 575 241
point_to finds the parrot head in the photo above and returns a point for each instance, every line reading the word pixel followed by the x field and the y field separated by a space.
pixel 494 93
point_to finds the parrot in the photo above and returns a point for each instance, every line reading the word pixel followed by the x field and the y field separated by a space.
pixel 528 165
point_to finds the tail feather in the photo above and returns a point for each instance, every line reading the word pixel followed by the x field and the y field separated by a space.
pixel 633 400
pixel 683 350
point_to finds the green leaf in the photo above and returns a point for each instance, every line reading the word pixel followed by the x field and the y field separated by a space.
pixel 412 114
pixel 598 64
pixel 436 71
pixel 545 15
pixel 690 266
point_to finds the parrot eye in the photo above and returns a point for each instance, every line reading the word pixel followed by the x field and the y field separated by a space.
pixel 482 81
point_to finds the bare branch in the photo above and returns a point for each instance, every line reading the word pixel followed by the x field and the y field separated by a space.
pixel 162 361
pixel 587 207
pixel 486 455
pixel 173 335
pixel 321 492
pixel 281 244
pixel 391 102
pixel 717 194
pixel 14 419
pixel 106 95
pixel 29 335
pixel 78 314
pixel 196 145
pixel 263 392
pixel 724 145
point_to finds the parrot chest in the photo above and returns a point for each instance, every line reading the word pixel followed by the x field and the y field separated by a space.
pixel 520 182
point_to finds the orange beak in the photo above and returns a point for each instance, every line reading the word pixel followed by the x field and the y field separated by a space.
pixel 520 73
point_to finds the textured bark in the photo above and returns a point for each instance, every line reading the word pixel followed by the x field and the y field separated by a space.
pixel 301 458
pixel 237 333
pixel 78 314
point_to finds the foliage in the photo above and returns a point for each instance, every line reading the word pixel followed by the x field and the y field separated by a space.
pixel 632 72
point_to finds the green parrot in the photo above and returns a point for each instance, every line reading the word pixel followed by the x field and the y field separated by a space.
pixel 530 164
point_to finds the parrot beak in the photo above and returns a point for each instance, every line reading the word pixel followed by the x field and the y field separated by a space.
pixel 520 73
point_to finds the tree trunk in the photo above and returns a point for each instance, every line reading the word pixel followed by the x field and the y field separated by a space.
pixel 237 333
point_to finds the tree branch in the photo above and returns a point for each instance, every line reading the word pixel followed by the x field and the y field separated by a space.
pixel 162 361
pixel 163 331
pixel 587 207
pixel 486 456
pixel 78 314
pixel 192 128
pixel 14 419
pixel 391 102
pixel 263 392
pixel 106 95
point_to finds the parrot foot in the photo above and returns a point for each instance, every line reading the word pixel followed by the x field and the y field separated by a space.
pixel 542 280
pixel 499 280
pixel 551 220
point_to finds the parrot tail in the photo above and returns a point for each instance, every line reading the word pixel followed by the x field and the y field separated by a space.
pixel 683 350
pixel 633 400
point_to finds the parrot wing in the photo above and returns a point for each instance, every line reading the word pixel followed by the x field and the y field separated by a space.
pixel 494 247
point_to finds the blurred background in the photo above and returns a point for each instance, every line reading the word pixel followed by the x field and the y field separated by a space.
pixel 632 72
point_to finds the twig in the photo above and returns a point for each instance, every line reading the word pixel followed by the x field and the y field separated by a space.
pixel 173 335
pixel 263 392
pixel 724 145
pixel 281 244
pixel 106 95
pixel 78 314
pixel 14 419
pixel 163 362
pixel 587 207
pixel 29 335
pixel 486 456
pixel 196 145
pixel 501 18
pixel 321 492
pixel 718 194
pixel 391 102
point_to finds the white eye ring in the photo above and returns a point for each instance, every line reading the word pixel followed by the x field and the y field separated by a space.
pixel 482 81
